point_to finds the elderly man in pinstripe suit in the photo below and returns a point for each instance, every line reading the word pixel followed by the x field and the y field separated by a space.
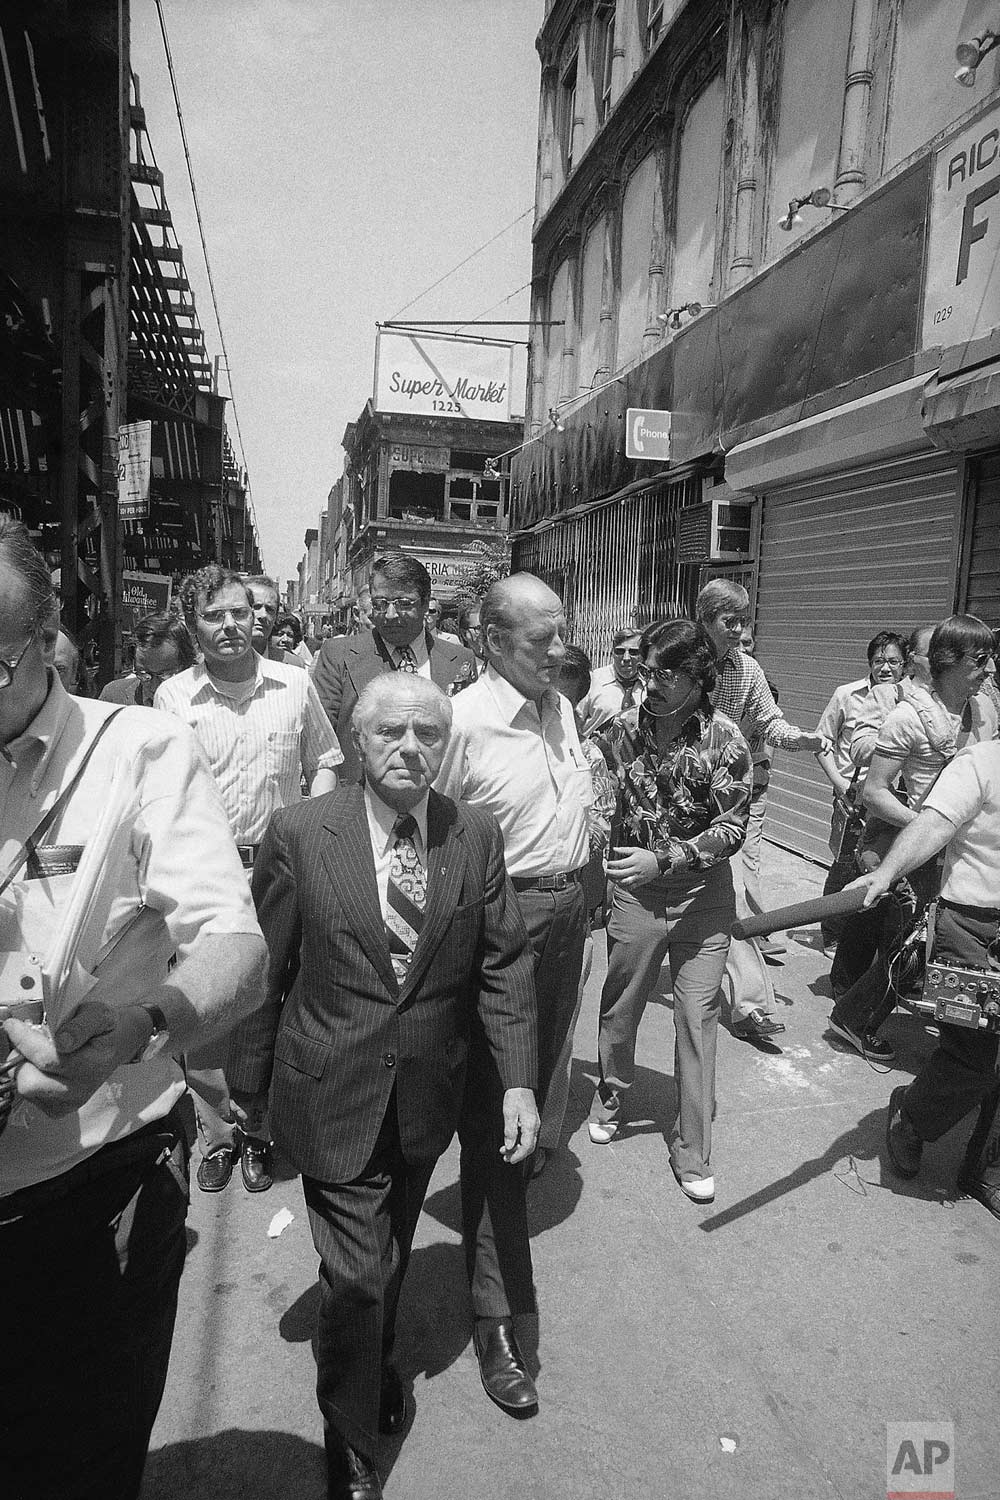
pixel 396 948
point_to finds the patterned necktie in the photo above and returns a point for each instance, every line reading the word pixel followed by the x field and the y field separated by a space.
pixel 407 661
pixel 406 897
pixel 628 695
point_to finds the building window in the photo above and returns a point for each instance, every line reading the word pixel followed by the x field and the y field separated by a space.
pixel 604 52
pixel 416 497
pixel 567 113
pixel 654 24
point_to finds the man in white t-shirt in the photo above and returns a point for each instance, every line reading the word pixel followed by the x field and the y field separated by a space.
pixel 961 814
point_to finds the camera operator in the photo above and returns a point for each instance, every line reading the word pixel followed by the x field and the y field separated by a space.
pixel 961 814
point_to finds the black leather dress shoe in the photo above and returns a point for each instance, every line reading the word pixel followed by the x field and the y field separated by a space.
pixel 501 1367
pixel 255 1164
pixel 349 1474
pixel 215 1169
pixel 392 1403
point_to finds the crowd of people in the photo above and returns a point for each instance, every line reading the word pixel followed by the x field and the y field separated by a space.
pixel 348 905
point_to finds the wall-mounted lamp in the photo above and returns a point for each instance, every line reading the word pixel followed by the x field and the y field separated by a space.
pixel 819 197
pixel 490 470
pixel 672 316
pixel 969 55
pixel 554 419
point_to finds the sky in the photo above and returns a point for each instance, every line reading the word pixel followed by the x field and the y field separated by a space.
pixel 347 153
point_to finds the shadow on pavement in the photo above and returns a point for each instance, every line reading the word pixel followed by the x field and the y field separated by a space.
pixel 234 1464
pixel 850 1158
pixel 297 1323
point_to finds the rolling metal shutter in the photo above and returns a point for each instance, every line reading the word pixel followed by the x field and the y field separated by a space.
pixel 843 556
pixel 982 593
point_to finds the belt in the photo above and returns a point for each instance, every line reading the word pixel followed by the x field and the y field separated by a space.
pixel 547 882
pixel 148 1144
pixel 248 853
pixel 983 913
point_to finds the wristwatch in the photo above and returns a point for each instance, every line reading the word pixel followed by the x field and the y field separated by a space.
pixel 158 1037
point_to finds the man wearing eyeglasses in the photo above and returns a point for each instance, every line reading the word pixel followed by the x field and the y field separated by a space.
pixel 616 687
pixel 398 641
pixel 263 728
pixel 93 1159
pixel 163 647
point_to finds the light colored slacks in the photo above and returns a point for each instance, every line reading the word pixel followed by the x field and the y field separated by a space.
pixel 689 923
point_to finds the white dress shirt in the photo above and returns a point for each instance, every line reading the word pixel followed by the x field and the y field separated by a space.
pixel 148 799
pixel 260 737
pixel 527 769
pixel 604 700
pixel 381 824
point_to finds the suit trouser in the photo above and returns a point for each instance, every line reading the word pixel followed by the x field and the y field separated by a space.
pixel 91 1270
pixel 692 926
pixel 494 1204
pixel 553 1112
pixel 363 1232
pixel 961 1071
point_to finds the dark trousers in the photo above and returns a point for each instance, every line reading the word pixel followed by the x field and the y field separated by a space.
pixel 960 1073
pixel 363 1231
pixel 90 1274
pixel 869 998
pixel 494 1204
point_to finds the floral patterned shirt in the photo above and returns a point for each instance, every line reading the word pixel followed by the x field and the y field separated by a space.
pixel 688 807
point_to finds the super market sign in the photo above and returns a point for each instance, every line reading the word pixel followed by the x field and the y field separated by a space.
pixel 428 375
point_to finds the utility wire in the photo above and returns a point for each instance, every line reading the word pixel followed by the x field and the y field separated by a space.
pixel 478 250
pixel 481 317
pixel 204 251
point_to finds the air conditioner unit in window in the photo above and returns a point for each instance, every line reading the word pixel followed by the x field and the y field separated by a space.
pixel 716 530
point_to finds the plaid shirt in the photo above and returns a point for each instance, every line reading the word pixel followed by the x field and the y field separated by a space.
pixel 742 694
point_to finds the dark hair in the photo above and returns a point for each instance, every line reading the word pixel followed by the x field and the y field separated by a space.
pixel 576 665
pixel 202 587
pixel 288 622
pixel 955 638
pixel 166 630
pixel 882 640
pixel 465 615
pixel 404 573
pixel 683 646
pixel 625 635
pixel 22 556
pixel 262 581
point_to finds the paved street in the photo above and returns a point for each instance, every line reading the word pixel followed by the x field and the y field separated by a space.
pixel 756 1347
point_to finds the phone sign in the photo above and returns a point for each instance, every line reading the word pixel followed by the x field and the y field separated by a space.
pixel 647 434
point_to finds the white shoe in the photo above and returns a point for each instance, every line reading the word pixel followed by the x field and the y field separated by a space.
pixel 700 1190
pixel 602 1131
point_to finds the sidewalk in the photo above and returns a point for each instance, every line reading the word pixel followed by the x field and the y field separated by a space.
pixel 753 1349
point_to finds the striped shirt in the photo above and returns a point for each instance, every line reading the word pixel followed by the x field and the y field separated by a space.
pixel 260 737
pixel 742 694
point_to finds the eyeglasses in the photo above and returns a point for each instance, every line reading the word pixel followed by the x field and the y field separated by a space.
pixel 147 677
pixel 8 668
pixel 732 622
pixel 887 661
pixel 979 658
pixel 402 606
pixel 626 651
pixel 242 615
pixel 663 675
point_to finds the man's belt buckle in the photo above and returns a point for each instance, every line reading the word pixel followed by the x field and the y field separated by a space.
pixel 556 882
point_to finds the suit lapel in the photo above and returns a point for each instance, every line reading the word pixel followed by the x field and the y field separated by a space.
pixel 347 856
pixel 445 873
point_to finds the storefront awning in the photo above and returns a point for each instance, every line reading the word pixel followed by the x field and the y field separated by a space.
pixel 964 410
pixel 879 425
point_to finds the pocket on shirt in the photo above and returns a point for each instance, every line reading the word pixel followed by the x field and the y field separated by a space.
pixel 282 753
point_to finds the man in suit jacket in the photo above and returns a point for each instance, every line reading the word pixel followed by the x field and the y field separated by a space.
pixel 396 946
pixel 399 641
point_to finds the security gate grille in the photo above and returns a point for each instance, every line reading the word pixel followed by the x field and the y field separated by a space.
pixel 614 566
pixel 982 588
pixel 842 557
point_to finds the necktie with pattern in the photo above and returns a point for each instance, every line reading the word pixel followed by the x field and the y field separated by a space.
pixel 628 695
pixel 406 897
pixel 407 661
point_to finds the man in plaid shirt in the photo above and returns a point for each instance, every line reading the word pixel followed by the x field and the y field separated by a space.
pixel 743 694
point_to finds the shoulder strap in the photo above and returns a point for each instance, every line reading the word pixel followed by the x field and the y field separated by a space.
pixel 41 829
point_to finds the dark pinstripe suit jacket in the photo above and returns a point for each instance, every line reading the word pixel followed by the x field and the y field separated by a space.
pixel 344 666
pixel 336 1032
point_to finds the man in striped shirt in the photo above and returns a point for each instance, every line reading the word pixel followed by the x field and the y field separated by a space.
pixel 263 729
